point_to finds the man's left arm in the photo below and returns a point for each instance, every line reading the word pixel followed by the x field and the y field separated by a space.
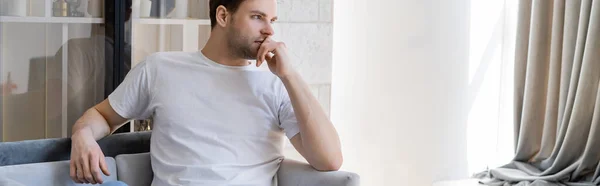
pixel 318 140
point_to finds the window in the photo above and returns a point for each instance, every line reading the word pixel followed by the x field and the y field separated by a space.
pixel 490 123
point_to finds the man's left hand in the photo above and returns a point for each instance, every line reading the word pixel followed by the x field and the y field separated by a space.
pixel 276 55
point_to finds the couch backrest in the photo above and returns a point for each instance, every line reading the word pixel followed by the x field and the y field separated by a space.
pixel 49 150
pixel 47 174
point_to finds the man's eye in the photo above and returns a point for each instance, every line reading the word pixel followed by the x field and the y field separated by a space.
pixel 256 17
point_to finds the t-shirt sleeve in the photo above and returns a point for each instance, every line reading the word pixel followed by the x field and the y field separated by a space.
pixel 287 117
pixel 131 99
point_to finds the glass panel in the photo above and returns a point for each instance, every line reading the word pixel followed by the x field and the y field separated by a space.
pixel 55 59
pixel 166 25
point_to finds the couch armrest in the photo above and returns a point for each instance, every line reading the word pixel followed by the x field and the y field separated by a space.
pixel 134 169
pixel 295 173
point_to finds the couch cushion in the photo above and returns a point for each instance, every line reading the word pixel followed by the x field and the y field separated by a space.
pixel 5 181
pixel 49 173
pixel 135 169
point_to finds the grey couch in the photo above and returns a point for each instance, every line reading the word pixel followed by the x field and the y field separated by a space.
pixel 45 162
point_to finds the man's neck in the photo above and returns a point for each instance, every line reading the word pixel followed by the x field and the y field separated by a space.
pixel 216 50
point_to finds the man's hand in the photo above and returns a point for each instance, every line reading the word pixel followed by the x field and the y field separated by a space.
pixel 278 61
pixel 87 159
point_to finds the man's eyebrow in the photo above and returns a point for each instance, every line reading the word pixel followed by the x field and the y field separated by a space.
pixel 262 14
pixel 258 12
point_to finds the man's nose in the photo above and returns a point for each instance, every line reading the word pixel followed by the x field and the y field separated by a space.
pixel 268 30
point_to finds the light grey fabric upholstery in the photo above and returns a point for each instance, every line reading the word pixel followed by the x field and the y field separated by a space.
pixel 135 169
pixel 294 173
pixel 114 183
pixel 5 181
pixel 47 174
pixel 19 161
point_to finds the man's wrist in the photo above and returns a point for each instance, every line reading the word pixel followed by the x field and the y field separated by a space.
pixel 83 133
pixel 291 75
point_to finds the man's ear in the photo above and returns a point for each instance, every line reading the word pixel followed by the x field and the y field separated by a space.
pixel 221 16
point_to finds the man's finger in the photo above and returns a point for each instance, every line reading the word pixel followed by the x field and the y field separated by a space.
pixel 72 172
pixel 95 169
pixel 87 175
pixel 79 172
pixel 103 166
pixel 269 57
pixel 267 49
pixel 269 39
pixel 260 49
pixel 260 54
pixel 278 45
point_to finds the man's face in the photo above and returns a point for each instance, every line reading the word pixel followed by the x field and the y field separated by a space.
pixel 249 26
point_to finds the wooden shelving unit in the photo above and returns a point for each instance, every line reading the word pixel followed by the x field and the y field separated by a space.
pixel 156 21
pixel 63 20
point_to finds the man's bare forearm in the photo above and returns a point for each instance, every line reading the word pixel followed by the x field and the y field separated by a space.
pixel 320 140
pixel 92 123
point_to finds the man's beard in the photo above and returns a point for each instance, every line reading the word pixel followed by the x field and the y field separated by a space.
pixel 240 46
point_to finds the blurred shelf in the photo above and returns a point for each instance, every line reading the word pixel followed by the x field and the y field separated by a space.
pixel 157 21
pixel 15 19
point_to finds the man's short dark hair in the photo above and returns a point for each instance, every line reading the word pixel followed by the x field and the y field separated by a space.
pixel 231 5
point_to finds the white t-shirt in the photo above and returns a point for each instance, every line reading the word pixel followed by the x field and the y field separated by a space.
pixel 213 124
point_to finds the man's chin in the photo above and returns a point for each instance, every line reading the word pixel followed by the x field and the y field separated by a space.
pixel 249 57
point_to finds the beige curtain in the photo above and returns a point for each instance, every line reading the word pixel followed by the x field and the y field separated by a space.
pixel 557 96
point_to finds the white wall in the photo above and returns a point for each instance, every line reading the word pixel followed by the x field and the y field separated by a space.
pixel 399 89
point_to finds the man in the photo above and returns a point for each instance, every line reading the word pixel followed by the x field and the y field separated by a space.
pixel 218 120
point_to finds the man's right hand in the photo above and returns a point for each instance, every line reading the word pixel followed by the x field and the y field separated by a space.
pixel 87 159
